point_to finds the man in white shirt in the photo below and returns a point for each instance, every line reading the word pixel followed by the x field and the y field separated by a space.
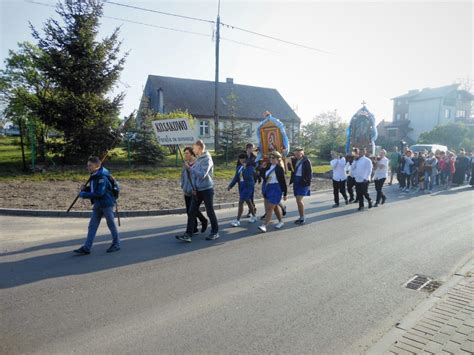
pixel 338 164
pixel 361 171
pixel 381 174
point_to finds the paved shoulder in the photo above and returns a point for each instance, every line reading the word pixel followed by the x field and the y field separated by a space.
pixel 446 327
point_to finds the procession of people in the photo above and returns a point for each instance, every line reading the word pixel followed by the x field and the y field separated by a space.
pixel 419 171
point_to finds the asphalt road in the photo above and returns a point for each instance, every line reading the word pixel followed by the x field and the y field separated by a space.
pixel 334 285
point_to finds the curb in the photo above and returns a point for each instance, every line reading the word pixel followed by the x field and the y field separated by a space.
pixel 123 214
pixel 408 321
pixel 88 214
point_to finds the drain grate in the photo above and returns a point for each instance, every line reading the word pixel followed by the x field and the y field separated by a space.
pixel 421 282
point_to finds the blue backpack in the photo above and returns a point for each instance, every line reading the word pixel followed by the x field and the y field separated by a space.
pixel 115 186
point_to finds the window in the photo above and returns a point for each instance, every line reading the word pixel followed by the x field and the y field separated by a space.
pixel 406 116
pixel 399 102
pixel 406 102
pixel 447 113
pixel 248 129
pixel 398 116
pixel 289 131
pixel 460 113
pixel 204 128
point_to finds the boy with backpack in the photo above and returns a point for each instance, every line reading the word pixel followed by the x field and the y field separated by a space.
pixel 102 191
pixel 245 178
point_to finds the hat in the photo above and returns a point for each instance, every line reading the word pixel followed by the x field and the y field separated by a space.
pixel 298 149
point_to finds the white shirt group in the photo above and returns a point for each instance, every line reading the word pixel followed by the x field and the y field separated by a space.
pixel 381 172
pixel 338 172
pixel 362 169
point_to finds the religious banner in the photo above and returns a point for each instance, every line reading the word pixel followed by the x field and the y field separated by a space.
pixel 362 131
pixel 174 131
pixel 271 136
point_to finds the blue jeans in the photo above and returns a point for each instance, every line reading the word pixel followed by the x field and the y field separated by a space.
pixel 97 213
pixel 429 180
pixel 444 177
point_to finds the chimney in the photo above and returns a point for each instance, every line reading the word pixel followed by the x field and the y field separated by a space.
pixel 229 80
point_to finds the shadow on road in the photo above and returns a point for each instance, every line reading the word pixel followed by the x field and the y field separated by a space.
pixel 152 244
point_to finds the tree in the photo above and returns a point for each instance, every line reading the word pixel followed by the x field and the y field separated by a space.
pixel 325 133
pixel 233 136
pixel 23 89
pixel 82 71
pixel 452 135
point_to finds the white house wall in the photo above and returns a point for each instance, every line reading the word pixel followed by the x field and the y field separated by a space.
pixel 424 116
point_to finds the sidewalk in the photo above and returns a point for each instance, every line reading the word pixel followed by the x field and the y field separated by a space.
pixel 443 324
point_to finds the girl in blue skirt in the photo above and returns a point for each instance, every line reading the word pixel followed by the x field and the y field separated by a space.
pixel 245 178
pixel 275 189
pixel 301 174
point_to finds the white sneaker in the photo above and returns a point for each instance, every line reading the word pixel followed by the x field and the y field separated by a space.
pixel 235 223
pixel 263 228
pixel 279 225
pixel 252 219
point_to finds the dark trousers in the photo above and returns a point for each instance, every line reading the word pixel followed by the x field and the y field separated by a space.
pixel 350 186
pixel 206 196
pixel 199 215
pixel 378 187
pixel 405 180
pixel 414 178
pixel 362 190
pixel 339 187
pixel 402 180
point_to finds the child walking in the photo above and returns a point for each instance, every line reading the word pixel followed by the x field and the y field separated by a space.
pixel 245 178
pixel 102 198
pixel 275 189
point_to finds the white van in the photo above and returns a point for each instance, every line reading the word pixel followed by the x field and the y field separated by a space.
pixel 428 147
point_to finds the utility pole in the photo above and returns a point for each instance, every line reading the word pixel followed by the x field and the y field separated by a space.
pixel 216 82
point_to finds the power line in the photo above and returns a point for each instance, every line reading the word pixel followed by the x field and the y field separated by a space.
pixel 157 26
pixel 189 32
pixel 274 38
pixel 166 28
pixel 248 45
pixel 223 24
pixel 159 12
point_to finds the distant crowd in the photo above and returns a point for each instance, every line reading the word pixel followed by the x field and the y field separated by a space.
pixel 421 171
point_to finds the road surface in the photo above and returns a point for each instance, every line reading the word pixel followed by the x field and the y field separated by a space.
pixel 334 285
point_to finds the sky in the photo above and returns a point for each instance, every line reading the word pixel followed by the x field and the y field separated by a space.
pixel 371 51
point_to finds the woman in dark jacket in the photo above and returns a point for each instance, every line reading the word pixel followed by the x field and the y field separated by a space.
pixel 301 176
pixel 275 188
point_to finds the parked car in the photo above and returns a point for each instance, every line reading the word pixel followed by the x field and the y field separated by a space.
pixel 428 147
pixel 12 131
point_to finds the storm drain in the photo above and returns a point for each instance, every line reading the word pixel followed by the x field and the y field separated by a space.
pixel 422 283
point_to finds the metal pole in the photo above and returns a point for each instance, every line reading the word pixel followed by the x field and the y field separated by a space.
pixel 128 153
pixel 216 82
pixel 226 150
pixel 31 127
